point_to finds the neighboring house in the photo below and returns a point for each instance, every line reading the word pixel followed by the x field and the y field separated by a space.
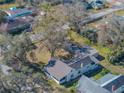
pixel 108 84
pixel 87 85
pixel 14 13
pixel 63 71
pixel 16 25
pixel 97 4
pixel 86 50
pixel 17 20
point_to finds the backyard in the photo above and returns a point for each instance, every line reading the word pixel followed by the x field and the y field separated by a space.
pixel 104 51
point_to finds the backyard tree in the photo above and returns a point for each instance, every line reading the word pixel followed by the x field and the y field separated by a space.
pixel 53 28
pixel 54 38
pixel 2 16
pixel 76 12
pixel 25 77
pixel 112 34
pixel 112 30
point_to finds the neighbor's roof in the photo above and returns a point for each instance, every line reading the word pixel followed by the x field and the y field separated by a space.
pixel 13 24
pixel 120 90
pixel 117 81
pixel 59 69
pixel 87 85
pixel 18 12
pixel 105 78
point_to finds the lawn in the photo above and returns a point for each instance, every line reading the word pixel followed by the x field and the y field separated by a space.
pixel 79 39
pixel 7 6
pixel 104 51
pixel 101 74
pixel 60 88
pixel 120 13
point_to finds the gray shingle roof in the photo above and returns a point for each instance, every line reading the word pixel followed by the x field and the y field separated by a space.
pixel 105 78
pixel 86 85
pixel 82 62
pixel 117 81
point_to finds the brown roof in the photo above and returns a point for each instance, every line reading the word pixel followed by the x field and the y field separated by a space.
pixel 59 69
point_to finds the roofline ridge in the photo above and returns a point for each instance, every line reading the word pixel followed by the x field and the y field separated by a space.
pixel 79 60
pixel 110 80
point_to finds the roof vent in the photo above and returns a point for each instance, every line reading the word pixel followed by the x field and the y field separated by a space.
pixel 113 88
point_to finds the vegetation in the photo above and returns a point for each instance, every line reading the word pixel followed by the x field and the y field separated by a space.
pixel 6 1
pixel 7 6
pixel 23 72
pixel 59 25
pixel 2 17
pixel 101 74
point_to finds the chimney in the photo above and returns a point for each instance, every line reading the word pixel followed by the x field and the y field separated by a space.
pixel 113 88
pixel 81 65
pixel 77 54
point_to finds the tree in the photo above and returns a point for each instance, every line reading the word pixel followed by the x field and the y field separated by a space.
pixel 113 36
pixel 20 3
pixel 2 17
pixel 23 83
pixel 25 77
pixel 54 38
pixel 91 34
pixel 111 30
pixel 15 47
pixel 76 12
pixel 52 27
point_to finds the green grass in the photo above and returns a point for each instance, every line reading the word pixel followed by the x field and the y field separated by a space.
pixel 120 13
pixel 101 74
pixel 7 6
pixel 104 51
pixel 79 39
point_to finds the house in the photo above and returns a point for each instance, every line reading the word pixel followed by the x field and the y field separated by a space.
pixel 97 4
pixel 87 85
pixel 107 84
pixel 113 83
pixel 16 25
pixel 63 71
pixel 14 12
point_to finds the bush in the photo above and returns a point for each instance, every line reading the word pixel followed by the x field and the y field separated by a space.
pixel 90 34
pixel 116 57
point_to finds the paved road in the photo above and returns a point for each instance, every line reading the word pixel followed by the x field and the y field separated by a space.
pixel 97 16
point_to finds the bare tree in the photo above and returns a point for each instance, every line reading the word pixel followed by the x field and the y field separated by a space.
pixel 76 12
pixel 111 30
pixel 54 38
pixel 52 27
